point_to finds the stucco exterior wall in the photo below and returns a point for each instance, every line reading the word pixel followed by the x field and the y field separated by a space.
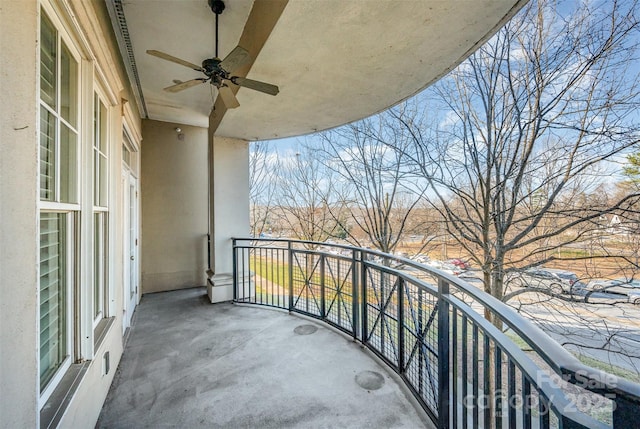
pixel 20 402
pixel 18 215
pixel 174 206
pixel 85 407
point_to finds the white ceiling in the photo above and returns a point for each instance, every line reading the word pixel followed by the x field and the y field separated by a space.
pixel 335 61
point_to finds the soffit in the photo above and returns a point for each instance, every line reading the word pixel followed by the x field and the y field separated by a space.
pixel 335 61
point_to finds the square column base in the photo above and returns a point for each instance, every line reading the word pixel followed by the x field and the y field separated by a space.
pixel 220 287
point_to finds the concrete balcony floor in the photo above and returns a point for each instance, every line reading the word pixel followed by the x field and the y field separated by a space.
pixel 191 364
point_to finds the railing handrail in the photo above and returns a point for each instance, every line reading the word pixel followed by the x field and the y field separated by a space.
pixel 525 363
pixel 558 358
pixel 560 361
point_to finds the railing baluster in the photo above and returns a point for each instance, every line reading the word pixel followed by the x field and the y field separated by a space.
pixel 279 256
pixel 355 285
pixel 498 393
pixel 443 355
pixel 290 255
pixel 545 413
pixel 365 314
pixel 234 264
pixel 400 324
pixel 526 402
pixel 244 270
pixel 381 311
pixel 486 372
pixel 323 304
pixel 625 413
pixel 454 369
pixel 258 257
pixel 465 374
pixel 475 374
pixel 271 284
pixel 338 290
pixel 511 380
pixel 307 282
pixel 421 357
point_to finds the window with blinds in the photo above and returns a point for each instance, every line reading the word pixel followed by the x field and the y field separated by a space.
pixel 47 154
pixel 100 165
pixel 53 304
pixel 59 189
pixel 58 118
pixel 100 263
pixel 100 207
pixel 48 63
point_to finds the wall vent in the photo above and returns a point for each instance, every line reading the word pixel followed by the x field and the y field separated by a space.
pixel 106 364
pixel 119 23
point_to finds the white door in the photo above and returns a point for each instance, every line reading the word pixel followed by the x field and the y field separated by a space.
pixel 130 253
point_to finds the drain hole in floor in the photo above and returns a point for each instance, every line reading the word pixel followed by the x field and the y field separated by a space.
pixel 305 329
pixel 370 380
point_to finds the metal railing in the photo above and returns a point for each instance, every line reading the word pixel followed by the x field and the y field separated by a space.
pixel 430 327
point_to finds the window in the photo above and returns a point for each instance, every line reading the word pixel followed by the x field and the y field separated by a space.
pixel 100 166
pixel 59 196
pixel 53 296
pixel 126 154
pixel 100 254
pixel 100 209
pixel 74 173
pixel 58 118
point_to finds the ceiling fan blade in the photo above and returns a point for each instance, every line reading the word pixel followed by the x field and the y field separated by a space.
pixel 173 59
pixel 228 97
pixel 235 59
pixel 184 85
pixel 256 85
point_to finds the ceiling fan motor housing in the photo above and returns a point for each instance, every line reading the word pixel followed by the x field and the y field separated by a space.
pixel 217 6
pixel 212 67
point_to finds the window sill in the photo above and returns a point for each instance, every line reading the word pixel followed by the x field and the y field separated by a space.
pixel 54 408
pixel 100 331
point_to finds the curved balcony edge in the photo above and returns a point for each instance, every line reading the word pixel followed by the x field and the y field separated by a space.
pixel 420 321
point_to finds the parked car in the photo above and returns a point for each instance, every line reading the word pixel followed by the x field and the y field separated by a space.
pixel 557 281
pixel 421 258
pixel 446 267
pixel 629 289
pixel 464 265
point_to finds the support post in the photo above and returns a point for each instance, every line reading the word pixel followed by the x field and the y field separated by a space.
pixel 363 288
pixel 355 295
pixel 290 253
pixel 323 298
pixel 401 286
pixel 625 413
pixel 228 213
pixel 443 355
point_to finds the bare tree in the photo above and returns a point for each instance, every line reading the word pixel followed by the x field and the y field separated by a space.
pixel 263 168
pixel 374 193
pixel 527 120
pixel 304 190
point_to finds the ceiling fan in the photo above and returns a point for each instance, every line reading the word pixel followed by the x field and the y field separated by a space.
pixel 218 72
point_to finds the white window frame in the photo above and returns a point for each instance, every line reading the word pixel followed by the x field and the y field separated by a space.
pixel 71 210
pixel 103 273
pixel 103 289
pixel 61 37
pixel 70 247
